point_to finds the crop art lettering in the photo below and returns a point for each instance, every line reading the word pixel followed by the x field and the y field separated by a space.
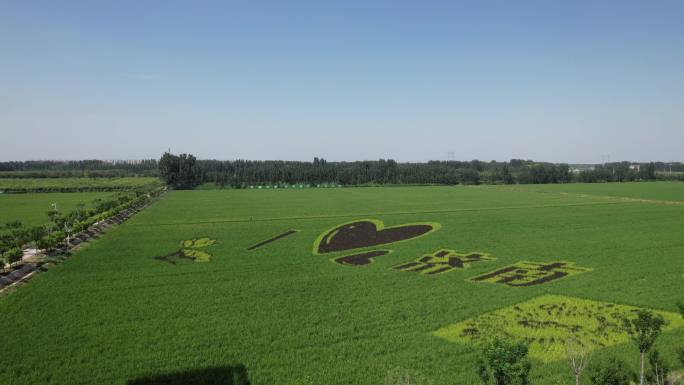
pixel 442 261
pixel 361 236
pixel 526 273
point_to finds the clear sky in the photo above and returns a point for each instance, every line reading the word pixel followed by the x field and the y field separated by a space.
pixel 559 81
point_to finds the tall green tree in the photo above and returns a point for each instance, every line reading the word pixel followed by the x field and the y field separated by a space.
pixel 564 175
pixel 36 233
pixel 188 172
pixel 180 171
pixel 651 171
pixel 169 168
pixel 644 330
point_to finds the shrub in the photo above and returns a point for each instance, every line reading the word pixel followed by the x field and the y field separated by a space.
pixel 611 372
pixel 12 255
pixel 504 363
pixel 44 243
pixel 680 306
pixel 13 225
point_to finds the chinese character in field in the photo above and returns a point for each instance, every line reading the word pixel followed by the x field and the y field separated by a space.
pixel 530 273
pixel 442 261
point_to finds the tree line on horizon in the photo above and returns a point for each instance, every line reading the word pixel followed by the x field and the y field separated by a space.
pixel 240 173
pixel 92 168
pixel 186 171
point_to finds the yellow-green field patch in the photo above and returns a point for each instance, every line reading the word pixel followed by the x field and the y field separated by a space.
pixel 546 323
pixel 190 250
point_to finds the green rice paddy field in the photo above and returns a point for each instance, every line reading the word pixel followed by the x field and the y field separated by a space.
pixel 32 208
pixel 644 190
pixel 306 309
pixel 94 184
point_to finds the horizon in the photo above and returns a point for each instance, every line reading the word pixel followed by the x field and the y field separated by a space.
pixel 536 161
pixel 560 83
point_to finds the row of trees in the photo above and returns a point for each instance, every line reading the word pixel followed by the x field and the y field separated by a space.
pixel 506 363
pixel 14 235
pixel 185 171
pixel 78 168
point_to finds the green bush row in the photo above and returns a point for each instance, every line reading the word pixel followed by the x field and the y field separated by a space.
pixel 14 235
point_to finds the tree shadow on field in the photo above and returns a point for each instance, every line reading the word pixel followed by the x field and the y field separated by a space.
pixel 218 375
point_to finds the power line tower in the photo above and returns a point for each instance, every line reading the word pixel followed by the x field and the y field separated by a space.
pixel 451 156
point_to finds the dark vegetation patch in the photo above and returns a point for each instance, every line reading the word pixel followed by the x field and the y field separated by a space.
pixel 360 259
pixel 272 239
pixel 442 261
pixel 367 233
pixel 220 375
pixel 16 275
pixel 525 273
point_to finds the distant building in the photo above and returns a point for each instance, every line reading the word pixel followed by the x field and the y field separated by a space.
pixel 635 167
pixel 577 170
pixel 124 161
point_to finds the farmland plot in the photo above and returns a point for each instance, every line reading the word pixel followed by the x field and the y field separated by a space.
pixel 366 280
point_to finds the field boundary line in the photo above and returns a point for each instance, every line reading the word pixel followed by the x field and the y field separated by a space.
pixel 583 195
pixel 627 199
pixel 358 215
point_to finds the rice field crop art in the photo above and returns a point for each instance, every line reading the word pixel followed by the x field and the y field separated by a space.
pixel 525 274
pixel 548 322
pixel 273 306
pixel 442 261
pixel 191 249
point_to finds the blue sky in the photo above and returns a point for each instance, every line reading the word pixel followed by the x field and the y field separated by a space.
pixel 560 81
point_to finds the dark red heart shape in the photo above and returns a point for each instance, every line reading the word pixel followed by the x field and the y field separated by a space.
pixel 365 233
